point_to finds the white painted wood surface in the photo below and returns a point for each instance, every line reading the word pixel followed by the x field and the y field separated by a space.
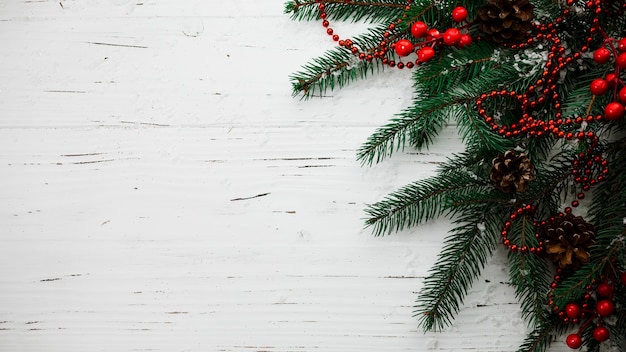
pixel 162 190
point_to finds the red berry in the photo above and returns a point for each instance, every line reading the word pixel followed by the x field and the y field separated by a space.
pixel 622 95
pixel 602 55
pixel 466 40
pixel 459 14
pixel 613 111
pixel 621 61
pixel 451 36
pixel 621 45
pixel 622 278
pixel 419 29
pixel 605 307
pixel 573 310
pixel 426 54
pixel 404 47
pixel 599 87
pixel 601 333
pixel 604 290
pixel 574 341
pixel 433 34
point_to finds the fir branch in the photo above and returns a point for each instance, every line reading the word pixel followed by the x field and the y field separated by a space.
pixel 337 67
pixel 421 123
pixel 461 66
pixel 465 253
pixel 477 135
pixel 541 337
pixel 370 11
pixel 551 185
pixel 417 202
pixel 528 273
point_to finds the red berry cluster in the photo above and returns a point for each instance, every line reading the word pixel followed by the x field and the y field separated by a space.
pixel 425 49
pixel 593 308
pixel 611 82
pixel 403 47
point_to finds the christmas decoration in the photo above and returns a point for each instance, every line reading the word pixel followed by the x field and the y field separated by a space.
pixel 536 89
pixel 599 87
pixel 506 21
pixel 574 341
pixel 567 239
pixel 601 333
pixel 511 172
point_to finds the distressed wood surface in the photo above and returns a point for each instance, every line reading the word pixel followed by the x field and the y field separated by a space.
pixel 163 191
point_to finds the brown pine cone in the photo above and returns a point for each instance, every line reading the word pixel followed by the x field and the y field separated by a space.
pixel 506 21
pixel 566 240
pixel 511 172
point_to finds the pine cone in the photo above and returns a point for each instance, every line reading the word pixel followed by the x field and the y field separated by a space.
pixel 506 21
pixel 566 240
pixel 511 172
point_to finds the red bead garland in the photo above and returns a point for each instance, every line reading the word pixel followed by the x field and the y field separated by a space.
pixel 529 211
pixel 432 38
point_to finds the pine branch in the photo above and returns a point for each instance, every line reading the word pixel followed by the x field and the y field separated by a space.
pixel 420 123
pixel 336 68
pixel 478 136
pixel 552 184
pixel 465 253
pixel 541 337
pixel 528 273
pixel 460 66
pixel 370 11
pixel 418 202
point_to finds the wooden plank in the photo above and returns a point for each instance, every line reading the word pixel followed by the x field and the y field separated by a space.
pixel 162 190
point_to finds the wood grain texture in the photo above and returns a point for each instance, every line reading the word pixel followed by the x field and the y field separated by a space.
pixel 162 190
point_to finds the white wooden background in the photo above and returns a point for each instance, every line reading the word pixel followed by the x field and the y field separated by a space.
pixel 162 190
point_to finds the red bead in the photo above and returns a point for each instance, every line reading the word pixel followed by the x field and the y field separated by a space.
pixel 459 14
pixel 599 87
pixel 601 334
pixel 574 341
pixel 621 61
pixel 573 310
pixel 605 307
pixel 419 29
pixel 404 47
pixel 602 55
pixel 614 111
pixel 604 290
pixel 451 36
pixel 425 54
